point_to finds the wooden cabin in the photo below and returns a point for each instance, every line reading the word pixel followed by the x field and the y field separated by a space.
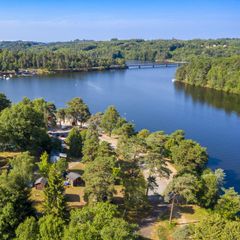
pixel 74 178
pixel 40 183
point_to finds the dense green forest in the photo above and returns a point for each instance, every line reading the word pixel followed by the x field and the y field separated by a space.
pixel 104 215
pixel 221 73
pixel 87 54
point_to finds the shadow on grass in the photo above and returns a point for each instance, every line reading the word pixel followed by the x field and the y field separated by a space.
pixel 72 198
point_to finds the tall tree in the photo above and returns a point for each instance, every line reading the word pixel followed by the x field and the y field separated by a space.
pixel 44 165
pixel 228 205
pixel 55 203
pixel 51 227
pixel 78 111
pixel 98 221
pixel 23 128
pixel 110 119
pixel 27 230
pixel 105 150
pixel 74 141
pixel 61 115
pixel 90 146
pixel 185 186
pixel 99 179
pixel 130 152
pixel 189 156
pixel 48 110
pixel 212 183
pixel 14 195
pixel 23 167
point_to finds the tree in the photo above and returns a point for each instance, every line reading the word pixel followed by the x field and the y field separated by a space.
pixel 74 141
pixel 151 184
pixel 110 119
pixel 51 227
pixel 215 227
pixel 14 197
pixel 61 115
pixel 95 120
pixel 22 167
pixel 127 129
pixel 23 128
pixel 27 230
pixel 78 111
pixel 44 165
pixel 189 156
pixel 90 146
pixel 143 134
pixel 47 109
pixel 62 165
pixel 99 179
pixel 105 150
pixel 118 229
pixel 98 221
pixel 173 140
pixel 228 205
pixel 55 203
pixel 185 186
pixel 212 183
pixel 4 102
pixel 130 151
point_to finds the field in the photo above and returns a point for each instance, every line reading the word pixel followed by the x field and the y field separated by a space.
pixel 74 195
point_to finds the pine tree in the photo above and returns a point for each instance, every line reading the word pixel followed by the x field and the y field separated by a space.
pixel 44 165
pixel 55 203
pixel 90 147
pixel 110 119
pixel 74 140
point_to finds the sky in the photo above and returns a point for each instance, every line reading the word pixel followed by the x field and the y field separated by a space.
pixel 64 20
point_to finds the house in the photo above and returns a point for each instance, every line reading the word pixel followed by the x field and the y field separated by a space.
pixel 74 178
pixel 40 183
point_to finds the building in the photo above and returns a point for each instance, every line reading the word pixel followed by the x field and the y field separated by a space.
pixel 74 178
pixel 40 183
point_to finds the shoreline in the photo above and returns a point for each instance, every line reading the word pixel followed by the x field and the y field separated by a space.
pixel 41 72
pixel 207 87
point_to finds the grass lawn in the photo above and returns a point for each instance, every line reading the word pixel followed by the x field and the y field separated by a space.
pixel 193 213
pixel 74 196
pixel 76 167
pixel 183 215
pixel 37 197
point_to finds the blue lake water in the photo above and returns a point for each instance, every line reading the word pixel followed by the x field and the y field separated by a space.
pixel 150 99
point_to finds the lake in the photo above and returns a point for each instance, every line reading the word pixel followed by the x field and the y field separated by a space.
pixel 150 99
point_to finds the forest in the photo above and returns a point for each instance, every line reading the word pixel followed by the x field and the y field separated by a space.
pixel 88 54
pixel 222 73
pixel 114 187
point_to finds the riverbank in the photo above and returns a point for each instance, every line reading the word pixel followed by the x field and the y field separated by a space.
pixel 39 72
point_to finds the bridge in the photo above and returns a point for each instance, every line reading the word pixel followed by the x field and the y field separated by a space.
pixel 154 65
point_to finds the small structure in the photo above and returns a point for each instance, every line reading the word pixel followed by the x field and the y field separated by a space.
pixel 40 183
pixel 62 155
pixel 74 178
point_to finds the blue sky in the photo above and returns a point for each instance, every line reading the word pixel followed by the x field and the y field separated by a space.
pixel 53 20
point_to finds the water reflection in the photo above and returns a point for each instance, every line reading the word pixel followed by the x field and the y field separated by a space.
pixel 230 103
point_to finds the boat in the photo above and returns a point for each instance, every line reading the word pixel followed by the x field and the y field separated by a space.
pixel 173 80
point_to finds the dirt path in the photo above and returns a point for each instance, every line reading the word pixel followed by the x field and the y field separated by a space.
pixel 112 140
pixel 148 229
pixel 148 225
